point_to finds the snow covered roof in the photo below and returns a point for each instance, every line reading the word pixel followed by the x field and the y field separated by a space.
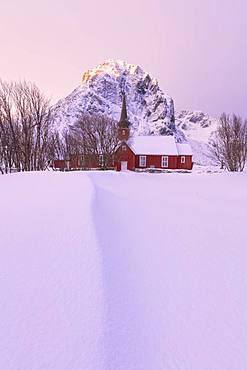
pixel 159 145
pixel 184 149
pixel 155 145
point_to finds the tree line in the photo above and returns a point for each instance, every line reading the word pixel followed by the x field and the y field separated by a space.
pixel 26 139
pixel 29 141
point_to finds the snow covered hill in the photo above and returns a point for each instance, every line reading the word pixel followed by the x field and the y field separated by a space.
pixel 198 128
pixel 96 275
pixel 196 125
pixel 150 110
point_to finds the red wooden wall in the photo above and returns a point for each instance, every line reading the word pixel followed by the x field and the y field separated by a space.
pixel 125 154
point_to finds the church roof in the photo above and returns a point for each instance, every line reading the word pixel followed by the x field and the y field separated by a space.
pixel 158 145
pixel 184 149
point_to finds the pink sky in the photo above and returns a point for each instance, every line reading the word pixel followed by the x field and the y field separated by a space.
pixel 196 49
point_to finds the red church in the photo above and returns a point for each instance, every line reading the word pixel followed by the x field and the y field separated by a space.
pixel 140 152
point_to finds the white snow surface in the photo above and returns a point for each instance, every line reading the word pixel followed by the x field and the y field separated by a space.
pixel 123 271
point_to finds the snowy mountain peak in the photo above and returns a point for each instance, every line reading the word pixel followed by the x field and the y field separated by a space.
pixel 115 68
pixel 150 110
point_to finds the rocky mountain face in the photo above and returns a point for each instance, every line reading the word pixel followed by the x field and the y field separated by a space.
pixel 198 129
pixel 196 124
pixel 150 110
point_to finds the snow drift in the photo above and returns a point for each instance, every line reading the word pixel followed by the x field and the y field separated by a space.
pixel 96 274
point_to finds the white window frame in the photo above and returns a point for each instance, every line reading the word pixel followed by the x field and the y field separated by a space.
pixel 164 161
pixel 124 148
pixel 183 159
pixel 142 160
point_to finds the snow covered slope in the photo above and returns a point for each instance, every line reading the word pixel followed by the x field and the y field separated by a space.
pixel 96 274
pixel 198 128
pixel 150 110
pixel 196 125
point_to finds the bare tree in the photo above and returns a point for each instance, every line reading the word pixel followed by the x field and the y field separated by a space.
pixel 26 138
pixel 93 136
pixel 9 131
pixel 230 143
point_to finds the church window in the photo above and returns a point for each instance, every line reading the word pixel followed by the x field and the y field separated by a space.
pixel 164 161
pixel 183 159
pixel 142 161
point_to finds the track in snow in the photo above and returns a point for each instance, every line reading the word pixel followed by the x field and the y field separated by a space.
pixel 109 271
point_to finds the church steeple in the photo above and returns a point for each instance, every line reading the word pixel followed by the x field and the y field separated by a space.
pixel 123 125
pixel 124 116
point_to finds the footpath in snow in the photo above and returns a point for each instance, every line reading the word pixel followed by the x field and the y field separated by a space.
pixel 123 271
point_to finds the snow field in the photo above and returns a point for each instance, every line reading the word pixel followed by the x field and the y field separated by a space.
pixel 177 276
pixel 123 271
pixel 51 299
